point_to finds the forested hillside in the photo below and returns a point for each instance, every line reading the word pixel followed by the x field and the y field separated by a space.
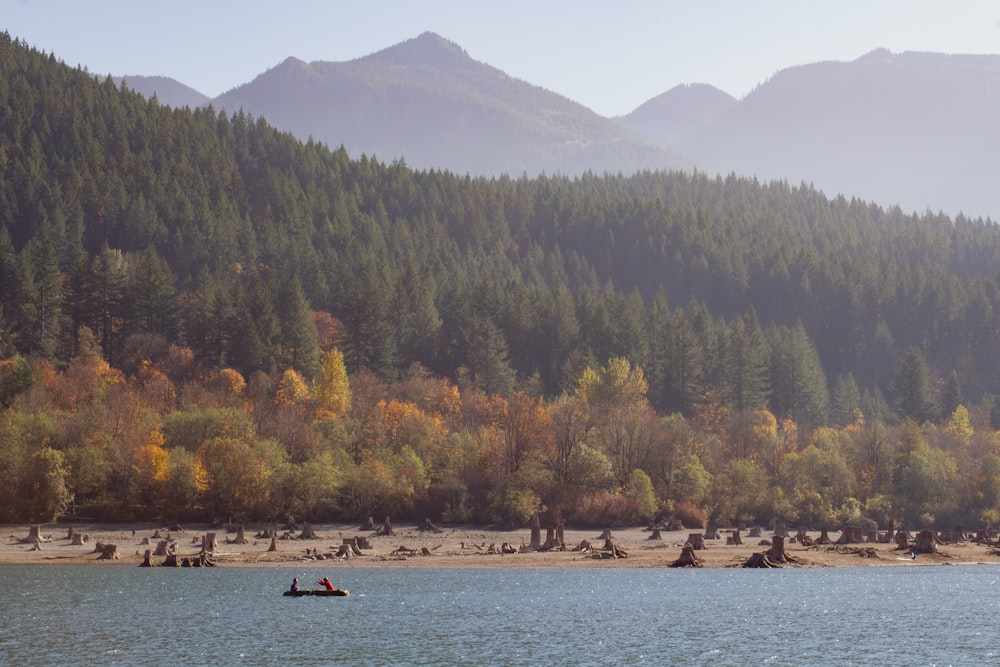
pixel 202 316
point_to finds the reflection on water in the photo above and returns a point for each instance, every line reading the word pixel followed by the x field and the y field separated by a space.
pixel 79 615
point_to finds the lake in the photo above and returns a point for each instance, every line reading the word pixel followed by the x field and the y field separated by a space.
pixel 114 615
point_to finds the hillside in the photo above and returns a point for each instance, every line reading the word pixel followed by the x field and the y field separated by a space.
pixel 428 102
pixel 678 113
pixel 202 316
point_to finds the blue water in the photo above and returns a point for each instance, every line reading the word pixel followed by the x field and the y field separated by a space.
pixel 114 615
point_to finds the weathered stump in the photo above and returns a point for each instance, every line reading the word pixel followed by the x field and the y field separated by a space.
pixel 655 535
pixel 760 560
pixel 687 558
pixel 536 533
pixel 605 534
pixel 850 535
pixel 170 561
pixel 79 539
pixel 107 551
pixel 274 543
pixel 368 525
pixel 308 533
pixel 696 541
pixel 386 528
pixel 428 525
pixel 776 554
pixel 737 540
pixel 902 540
pixel 925 543
pixel 241 537
pixel 35 536
pixel 146 559
pixel 754 531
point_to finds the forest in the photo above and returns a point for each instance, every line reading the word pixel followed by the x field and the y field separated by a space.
pixel 204 318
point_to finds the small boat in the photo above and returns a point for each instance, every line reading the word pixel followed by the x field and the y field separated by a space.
pixel 322 591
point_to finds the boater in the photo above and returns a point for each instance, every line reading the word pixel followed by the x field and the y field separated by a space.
pixel 325 582
pixel 295 585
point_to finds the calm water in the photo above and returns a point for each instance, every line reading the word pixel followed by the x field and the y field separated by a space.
pixel 86 615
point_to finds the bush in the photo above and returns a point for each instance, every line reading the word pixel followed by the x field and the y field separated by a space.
pixel 690 515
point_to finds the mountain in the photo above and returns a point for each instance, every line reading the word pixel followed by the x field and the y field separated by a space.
pixel 915 129
pixel 678 113
pixel 427 101
pixel 167 91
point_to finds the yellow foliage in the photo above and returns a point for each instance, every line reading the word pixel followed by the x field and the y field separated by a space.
pixel 959 426
pixel 331 388
pixel 292 389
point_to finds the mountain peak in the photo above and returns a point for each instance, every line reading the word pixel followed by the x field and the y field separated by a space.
pixel 428 48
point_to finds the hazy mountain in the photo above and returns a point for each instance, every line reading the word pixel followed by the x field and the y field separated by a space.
pixel 428 101
pixel 168 91
pixel 678 113
pixel 918 129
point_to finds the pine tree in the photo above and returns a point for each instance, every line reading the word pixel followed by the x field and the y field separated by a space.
pixel 912 388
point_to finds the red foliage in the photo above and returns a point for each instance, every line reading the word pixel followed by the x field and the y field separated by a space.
pixel 690 515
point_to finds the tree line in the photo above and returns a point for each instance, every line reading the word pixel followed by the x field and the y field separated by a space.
pixel 201 247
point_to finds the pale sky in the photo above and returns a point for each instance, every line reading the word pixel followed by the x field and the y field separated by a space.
pixel 609 56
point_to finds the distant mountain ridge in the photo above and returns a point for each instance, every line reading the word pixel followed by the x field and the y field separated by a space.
pixel 914 129
pixel 167 91
pixel 427 101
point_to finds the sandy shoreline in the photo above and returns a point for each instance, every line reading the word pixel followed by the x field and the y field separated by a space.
pixel 459 546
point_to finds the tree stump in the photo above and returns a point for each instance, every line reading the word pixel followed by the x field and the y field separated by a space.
pixel 605 535
pixel 754 531
pixel 711 534
pixel 902 540
pixel 777 555
pixel 107 551
pixel 35 536
pixel 428 525
pixel 536 533
pixel 926 542
pixel 824 537
pixel 655 535
pixel 146 559
pixel 79 539
pixel 737 540
pixel 241 537
pixel 760 560
pixel 209 544
pixel 560 533
pixel 368 525
pixel 850 535
pixel 687 558
pixel 274 543
pixel 169 561
pixel 697 541
pixel 386 528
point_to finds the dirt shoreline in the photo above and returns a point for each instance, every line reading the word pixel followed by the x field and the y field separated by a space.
pixel 453 547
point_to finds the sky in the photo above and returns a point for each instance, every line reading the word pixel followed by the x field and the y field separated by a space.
pixel 609 56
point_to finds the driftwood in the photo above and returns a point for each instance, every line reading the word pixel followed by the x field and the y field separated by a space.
pixel 610 550
pixel 687 558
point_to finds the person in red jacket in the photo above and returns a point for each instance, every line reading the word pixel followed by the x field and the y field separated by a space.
pixel 326 583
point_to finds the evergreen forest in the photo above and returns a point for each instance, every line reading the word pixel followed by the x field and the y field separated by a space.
pixel 204 318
